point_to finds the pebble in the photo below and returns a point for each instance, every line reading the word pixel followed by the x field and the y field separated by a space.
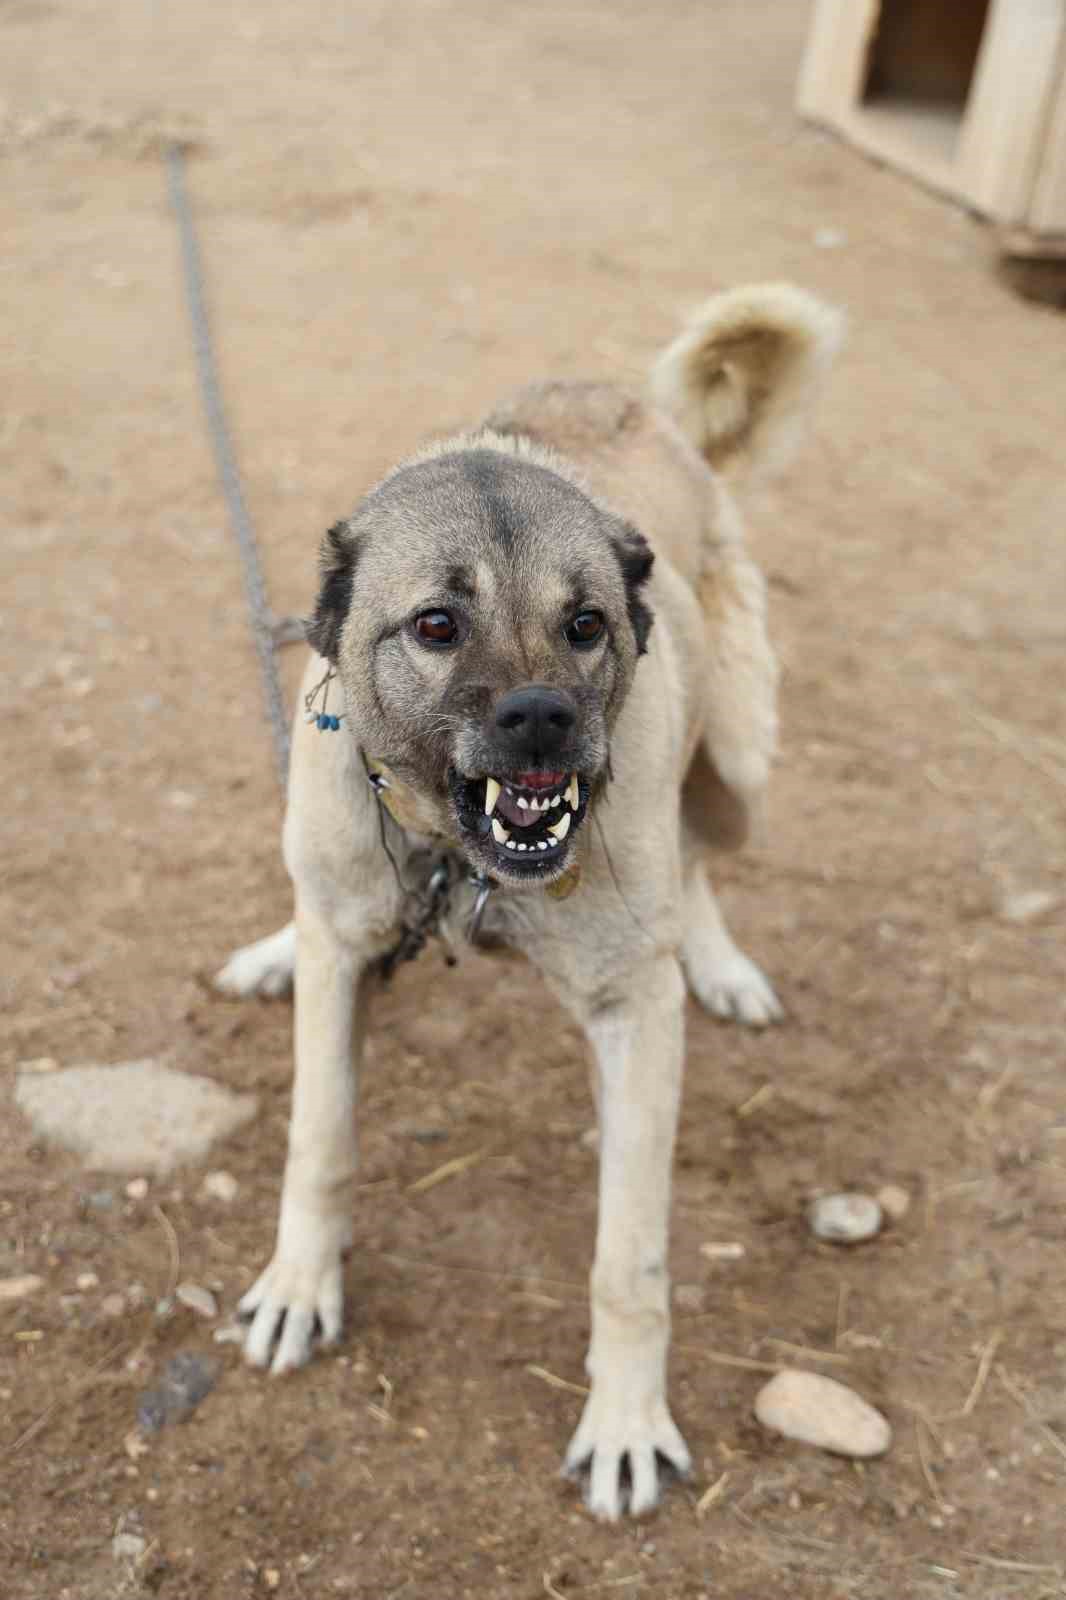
pixel 894 1201
pixel 822 1412
pixel 137 1188
pixel 197 1299
pixel 128 1547
pixel 845 1218
pixel 186 1380
pixel 1028 905
pixel 87 1281
pixel 221 1186
pixel 729 1251
pixel 19 1288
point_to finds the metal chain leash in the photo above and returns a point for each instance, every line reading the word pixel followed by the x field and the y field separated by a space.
pixel 267 631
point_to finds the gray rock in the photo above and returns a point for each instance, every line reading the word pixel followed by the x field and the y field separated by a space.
pixel 820 1411
pixel 845 1218
pixel 187 1378
pixel 136 1116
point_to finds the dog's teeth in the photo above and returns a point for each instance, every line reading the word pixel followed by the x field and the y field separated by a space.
pixel 499 832
pixel 555 800
pixel 523 803
pixel 572 795
pixel 561 828
pixel 492 794
pixel 542 844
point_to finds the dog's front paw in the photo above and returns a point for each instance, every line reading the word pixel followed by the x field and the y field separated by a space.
pixel 625 1445
pixel 734 988
pixel 288 1305
pixel 264 968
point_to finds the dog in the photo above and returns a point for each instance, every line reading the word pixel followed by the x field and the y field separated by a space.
pixel 516 626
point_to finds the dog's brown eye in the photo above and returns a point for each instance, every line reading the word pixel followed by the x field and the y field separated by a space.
pixel 437 627
pixel 586 628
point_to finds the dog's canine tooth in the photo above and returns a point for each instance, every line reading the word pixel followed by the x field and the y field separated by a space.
pixel 572 795
pixel 499 832
pixel 492 794
pixel 560 829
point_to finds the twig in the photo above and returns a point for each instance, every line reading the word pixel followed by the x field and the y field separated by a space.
pixel 808 1351
pixel 76 1389
pixel 555 1382
pixel 984 1367
pixel 724 1360
pixel 754 1101
pixel 927 1471
pixel 450 1169
pixel 1003 1565
pixel 173 1246
pixel 709 1496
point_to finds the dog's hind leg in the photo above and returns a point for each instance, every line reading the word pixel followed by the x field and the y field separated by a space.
pixel 725 981
pixel 264 968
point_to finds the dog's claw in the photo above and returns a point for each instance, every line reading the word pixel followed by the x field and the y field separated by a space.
pixel 636 1443
pixel 287 1306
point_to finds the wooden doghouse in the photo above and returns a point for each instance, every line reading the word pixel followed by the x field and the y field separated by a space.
pixel 969 96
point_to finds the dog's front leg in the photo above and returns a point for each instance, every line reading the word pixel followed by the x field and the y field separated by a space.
pixel 301 1290
pixel 626 1422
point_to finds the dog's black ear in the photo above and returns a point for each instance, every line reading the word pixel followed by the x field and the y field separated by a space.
pixel 336 560
pixel 635 558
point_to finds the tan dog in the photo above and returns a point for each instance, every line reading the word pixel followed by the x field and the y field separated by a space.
pixel 523 621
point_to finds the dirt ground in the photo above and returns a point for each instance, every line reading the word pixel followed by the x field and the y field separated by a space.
pixel 405 211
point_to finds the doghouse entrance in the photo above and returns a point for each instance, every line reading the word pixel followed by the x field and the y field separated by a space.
pixel 921 64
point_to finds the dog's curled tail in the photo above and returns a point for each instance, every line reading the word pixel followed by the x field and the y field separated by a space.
pixel 744 371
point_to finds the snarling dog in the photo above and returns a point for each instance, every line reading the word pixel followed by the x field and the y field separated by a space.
pixel 518 625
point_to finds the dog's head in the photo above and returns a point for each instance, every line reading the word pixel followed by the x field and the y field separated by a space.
pixel 486 616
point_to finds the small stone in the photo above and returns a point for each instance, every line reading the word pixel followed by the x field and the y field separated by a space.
pixel 1027 905
pixel 197 1299
pixel 186 1380
pixel 135 1444
pixel 137 1188
pixel 819 1411
pixel 113 1305
pixel 271 1577
pixel 731 1250
pixel 229 1333
pixel 894 1201
pixel 19 1288
pixel 87 1281
pixel 221 1186
pixel 100 1200
pixel 128 1547
pixel 590 1139
pixel 845 1218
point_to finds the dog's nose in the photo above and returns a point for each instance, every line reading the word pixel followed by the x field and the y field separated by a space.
pixel 534 721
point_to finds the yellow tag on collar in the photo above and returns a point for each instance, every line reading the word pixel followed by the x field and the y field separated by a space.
pixel 402 804
pixel 564 885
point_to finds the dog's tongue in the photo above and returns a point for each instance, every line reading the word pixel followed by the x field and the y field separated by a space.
pixel 506 807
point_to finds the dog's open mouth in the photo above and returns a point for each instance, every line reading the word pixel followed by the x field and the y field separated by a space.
pixel 525 823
